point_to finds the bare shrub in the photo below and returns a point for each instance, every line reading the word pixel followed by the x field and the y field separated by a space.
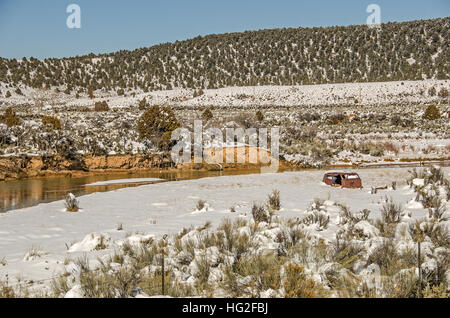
pixel 200 205
pixel 60 286
pixel 437 276
pixel 440 236
pixel 151 285
pixel 207 115
pixel 96 285
pixel 259 116
pixel 351 286
pixel 391 212
pixel 7 291
pixel 259 213
pixel 274 200
pixel 346 253
pixel 347 217
pixel 71 202
pixel 289 236
pixel 435 291
pixel 228 238
pixel 430 196
pixel 264 269
pixel 202 275
pixel 298 285
pixel 34 252
pixel 432 91
pixel 52 122
pixel 443 92
pixel 101 106
pixel 143 104
pixel 437 209
pixel 102 244
pixel 386 229
pixel 402 285
pixel 433 175
pixel 386 256
pixel 319 218
pixel 228 229
pixel 83 263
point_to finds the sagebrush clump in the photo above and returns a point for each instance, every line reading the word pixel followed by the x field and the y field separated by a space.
pixel 274 201
pixel 391 211
pixel 432 113
pixel 259 213
pixel 52 122
pixel 71 202
pixel 298 285
pixel 207 115
pixel 101 106
pixel 10 118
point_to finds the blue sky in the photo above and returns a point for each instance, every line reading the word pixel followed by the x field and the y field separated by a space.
pixel 38 28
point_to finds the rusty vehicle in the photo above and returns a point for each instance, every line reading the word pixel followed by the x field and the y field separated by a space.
pixel 342 179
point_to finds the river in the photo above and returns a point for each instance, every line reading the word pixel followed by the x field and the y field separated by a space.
pixel 19 194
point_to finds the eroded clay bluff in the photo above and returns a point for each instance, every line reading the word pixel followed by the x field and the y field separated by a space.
pixel 32 166
pixel 26 166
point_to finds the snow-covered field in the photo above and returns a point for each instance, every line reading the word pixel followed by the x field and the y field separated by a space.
pixel 319 124
pixel 49 235
pixel 376 93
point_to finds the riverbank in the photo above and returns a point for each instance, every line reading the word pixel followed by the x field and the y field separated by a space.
pixel 27 166
pixel 33 166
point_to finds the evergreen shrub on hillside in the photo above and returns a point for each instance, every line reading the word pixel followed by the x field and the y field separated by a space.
pixel 10 118
pixel 157 124
pixel 431 113
pixel 52 122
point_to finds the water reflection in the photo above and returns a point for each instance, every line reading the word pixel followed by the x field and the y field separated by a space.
pixel 25 193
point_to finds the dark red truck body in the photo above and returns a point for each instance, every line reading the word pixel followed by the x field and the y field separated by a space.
pixel 343 179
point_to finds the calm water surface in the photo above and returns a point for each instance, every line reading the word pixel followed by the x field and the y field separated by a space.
pixel 25 193
pixel 18 194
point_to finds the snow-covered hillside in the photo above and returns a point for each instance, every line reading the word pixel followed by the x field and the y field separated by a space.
pixel 412 50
